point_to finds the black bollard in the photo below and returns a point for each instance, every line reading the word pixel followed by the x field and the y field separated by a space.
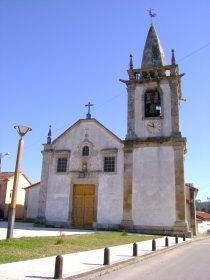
pixel 153 245
pixel 106 256
pixel 135 250
pixel 176 239
pixel 166 242
pixel 184 238
pixel 58 267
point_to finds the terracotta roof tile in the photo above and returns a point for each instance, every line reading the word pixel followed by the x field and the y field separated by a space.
pixel 198 219
pixel 202 215
pixel 6 175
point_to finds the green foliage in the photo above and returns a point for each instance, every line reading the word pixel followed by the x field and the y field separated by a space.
pixel 203 206
pixel 124 233
pixel 39 247
pixel 59 241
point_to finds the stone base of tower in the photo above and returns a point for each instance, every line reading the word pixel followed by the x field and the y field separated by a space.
pixel 179 229
pixel 126 225
pixel 40 221
pixel 182 226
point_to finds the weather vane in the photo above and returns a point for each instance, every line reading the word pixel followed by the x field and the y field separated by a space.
pixel 152 14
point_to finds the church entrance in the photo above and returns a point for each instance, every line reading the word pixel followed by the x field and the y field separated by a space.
pixel 83 205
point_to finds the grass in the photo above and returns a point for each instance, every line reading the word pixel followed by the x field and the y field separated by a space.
pixel 26 248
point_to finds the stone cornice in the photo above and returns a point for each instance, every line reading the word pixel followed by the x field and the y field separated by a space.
pixel 141 81
pixel 153 141
pixel 109 151
pixel 139 76
pixel 48 150
pixel 62 151
pixel 89 171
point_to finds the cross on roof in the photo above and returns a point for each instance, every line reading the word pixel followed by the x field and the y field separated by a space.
pixel 88 115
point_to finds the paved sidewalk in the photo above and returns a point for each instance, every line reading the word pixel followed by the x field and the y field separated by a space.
pixel 28 230
pixel 76 263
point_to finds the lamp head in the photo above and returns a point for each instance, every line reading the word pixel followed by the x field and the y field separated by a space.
pixel 22 130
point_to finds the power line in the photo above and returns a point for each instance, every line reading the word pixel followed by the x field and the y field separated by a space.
pixel 114 97
pixel 76 118
pixel 109 100
pixel 194 52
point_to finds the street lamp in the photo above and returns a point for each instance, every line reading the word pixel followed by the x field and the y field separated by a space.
pixel 1 157
pixel 22 130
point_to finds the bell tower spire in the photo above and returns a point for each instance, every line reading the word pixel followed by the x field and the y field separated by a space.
pixel 153 55
pixel 154 93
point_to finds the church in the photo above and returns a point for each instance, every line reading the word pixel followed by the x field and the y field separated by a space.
pixel 93 179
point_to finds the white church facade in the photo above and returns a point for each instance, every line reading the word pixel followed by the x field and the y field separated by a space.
pixel 92 179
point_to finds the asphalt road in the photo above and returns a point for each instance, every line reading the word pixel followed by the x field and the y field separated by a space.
pixel 191 261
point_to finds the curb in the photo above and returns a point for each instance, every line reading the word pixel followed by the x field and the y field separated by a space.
pixel 116 266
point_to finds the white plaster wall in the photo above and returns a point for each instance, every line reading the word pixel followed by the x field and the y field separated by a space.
pixel 110 195
pixel 140 122
pixel 153 186
pixel 97 136
pixel 110 188
pixel 9 190
pixel 22 183
pixel 203 227
pixel 58 197
pixel 32 202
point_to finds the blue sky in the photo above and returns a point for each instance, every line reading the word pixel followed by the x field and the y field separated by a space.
pixel 57 55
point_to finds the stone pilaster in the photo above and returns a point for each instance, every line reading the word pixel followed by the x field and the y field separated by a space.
pixel 127 221
pixel 47 161
pixel 181 221
pixel 175 93
pixel 193 211
pixel 131 112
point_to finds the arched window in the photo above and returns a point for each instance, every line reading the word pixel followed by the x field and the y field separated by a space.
pixel 85 151
pixel 152 104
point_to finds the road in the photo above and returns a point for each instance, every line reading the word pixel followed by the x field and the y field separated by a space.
pixel 191 261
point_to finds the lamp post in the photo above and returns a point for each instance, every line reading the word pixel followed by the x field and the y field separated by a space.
pixel 22 130
pixel 1 157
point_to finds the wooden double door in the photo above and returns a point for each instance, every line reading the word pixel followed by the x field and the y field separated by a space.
pixel 83 210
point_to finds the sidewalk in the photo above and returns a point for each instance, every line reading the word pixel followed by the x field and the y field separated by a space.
pixel 76 263
pixel 28 230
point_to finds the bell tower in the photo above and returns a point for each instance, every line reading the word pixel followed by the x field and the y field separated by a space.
pixel 154 188
pixel 154 93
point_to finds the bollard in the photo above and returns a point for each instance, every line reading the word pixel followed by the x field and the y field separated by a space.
pixel 106 256
pixel 176 239
pixel 153 245
pixel 184 238
pixel 58 267
pixel 166 242
pixel 135 250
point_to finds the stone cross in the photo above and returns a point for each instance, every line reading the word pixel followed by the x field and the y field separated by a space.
pixel 88 115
